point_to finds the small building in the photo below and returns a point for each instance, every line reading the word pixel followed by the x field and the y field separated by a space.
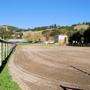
pixel 17 40
pixel 62 38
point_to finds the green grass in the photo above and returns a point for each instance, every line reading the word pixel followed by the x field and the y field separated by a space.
pixel 6 82
pixel 28 44
pixel 81 26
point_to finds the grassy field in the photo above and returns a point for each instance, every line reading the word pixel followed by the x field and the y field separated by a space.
pixel 78 27
pixel 6 82
pixel 29 44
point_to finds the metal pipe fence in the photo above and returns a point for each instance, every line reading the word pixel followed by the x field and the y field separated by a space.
pixel 5 50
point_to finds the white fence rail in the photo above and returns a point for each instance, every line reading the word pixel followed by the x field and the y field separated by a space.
pixel 5 50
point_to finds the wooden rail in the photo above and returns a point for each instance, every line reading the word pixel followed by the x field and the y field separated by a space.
pixel 5 50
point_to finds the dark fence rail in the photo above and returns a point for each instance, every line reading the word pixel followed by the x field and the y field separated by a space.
pixel 5 50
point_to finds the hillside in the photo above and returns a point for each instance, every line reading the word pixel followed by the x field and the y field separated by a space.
pixel 81 26
pixel 7 32
pixel 11 32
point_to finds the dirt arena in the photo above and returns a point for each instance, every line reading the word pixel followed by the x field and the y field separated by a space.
pixel 49 67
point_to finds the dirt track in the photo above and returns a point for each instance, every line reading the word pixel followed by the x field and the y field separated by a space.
pixel 46 68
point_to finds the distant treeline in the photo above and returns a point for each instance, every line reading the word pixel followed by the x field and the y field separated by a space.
pixel 77 35
pixel 81 36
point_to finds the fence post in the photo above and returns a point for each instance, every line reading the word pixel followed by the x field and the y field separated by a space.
pixel 5 50
pixel 2 49
pixel 0 54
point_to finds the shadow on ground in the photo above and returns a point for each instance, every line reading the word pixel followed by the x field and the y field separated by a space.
pixel 69 88
pixel 4 62
pixel 80 70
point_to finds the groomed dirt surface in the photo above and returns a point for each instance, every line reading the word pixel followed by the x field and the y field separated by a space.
pixel 48 67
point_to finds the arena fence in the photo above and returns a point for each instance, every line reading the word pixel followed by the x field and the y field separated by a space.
pixel 5 50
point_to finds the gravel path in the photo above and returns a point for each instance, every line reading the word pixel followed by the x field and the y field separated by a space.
pixel 46 68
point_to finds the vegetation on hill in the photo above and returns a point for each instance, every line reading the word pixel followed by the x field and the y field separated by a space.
pixel 7 32
pixel 74 32
pixel 81 26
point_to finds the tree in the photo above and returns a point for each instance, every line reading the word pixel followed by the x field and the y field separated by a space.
pixel 54 25
pixel 46 34
pixel 32 36
pixel 3 33
pixel 86 35
pixel 55 32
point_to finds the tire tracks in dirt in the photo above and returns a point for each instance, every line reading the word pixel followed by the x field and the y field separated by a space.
pixel 32 74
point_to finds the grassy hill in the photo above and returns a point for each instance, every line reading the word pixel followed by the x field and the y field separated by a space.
pixel 7 32
pixel 81 26
pixel 14 32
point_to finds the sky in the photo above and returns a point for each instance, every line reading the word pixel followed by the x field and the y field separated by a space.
pixel 35 13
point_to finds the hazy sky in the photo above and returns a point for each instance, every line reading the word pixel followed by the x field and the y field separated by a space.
pixel 34 13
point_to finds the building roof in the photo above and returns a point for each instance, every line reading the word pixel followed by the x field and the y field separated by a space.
pixel 17 40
